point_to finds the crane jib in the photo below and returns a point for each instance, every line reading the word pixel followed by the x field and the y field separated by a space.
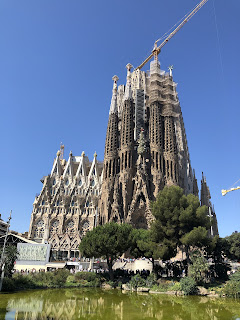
pixel 157 50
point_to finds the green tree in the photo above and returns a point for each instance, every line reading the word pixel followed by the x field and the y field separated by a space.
pixel 199 268
pixel 10 257
pixel 217 250
pixel 188 285
pixel 142 245
pixel 108 241
pixel 198 237
pixel 179 221
pixel 234 246
pixel 232 287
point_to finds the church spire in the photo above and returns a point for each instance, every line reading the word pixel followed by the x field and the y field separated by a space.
pixel 128 90
pixel 113 106
pixel 57 168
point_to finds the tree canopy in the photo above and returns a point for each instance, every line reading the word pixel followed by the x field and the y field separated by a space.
pixel 142 244
pixel 10 257
pixel 234 245
pixel 179 221
pixel 108 241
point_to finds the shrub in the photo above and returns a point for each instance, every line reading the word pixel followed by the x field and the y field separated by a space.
pixel 235 276
pixel 232 287
pixel 188 285
pixel 55 279
pixel 151 280
pixel 23 282
pixel 60 277
pixel 219 270
pixel 8 285
pixel 88 276
pixel 88 279
pixel 43 279
pixel 199 268
pixel 71 279
pixel 137 281
pixel 176 287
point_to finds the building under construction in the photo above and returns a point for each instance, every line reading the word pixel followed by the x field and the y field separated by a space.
pixel 146 149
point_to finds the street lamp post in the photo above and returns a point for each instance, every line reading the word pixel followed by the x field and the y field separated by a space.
pixel 3 251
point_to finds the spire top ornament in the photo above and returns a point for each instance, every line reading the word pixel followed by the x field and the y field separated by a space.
pixel 113 106
pixel 170 68
pixel 128 90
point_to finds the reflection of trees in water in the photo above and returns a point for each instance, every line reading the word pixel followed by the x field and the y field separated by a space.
pixel 64 304
pixel 3 305
pixel 158 306
pixel 209 308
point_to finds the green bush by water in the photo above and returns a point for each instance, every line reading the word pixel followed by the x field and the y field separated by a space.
pixel 137 281
pixel 232 287
pixel 88 279
pixel 54 279
pixel 188 285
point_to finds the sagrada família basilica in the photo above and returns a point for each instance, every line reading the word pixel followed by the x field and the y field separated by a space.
pixel 145 150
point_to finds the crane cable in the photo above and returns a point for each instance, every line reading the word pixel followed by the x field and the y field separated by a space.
pixel 157 49
pixel 218 37
pixel 166 34
pixel 234 184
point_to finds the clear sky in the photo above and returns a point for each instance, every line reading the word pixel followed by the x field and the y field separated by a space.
pixel 57 59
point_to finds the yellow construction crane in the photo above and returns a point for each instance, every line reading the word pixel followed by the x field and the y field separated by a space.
pixel 224 192
pixel 157 49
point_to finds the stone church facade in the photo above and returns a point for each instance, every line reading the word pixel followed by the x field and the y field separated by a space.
pixel 67 206
pixel 145 150
pixel 146 147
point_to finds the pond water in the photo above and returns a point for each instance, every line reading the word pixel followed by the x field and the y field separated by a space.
pixel 90 304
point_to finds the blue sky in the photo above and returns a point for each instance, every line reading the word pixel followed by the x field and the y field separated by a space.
pixel 57 59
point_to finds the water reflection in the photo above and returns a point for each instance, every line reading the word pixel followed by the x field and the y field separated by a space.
pixel 90 304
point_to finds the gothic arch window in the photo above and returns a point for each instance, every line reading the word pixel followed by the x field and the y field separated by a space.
pixel 70 227
pixel 80 183
pixel 85 226
pixel 39 229
pixel 54 227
